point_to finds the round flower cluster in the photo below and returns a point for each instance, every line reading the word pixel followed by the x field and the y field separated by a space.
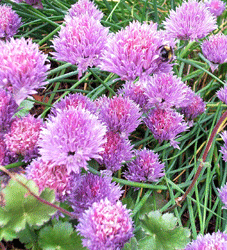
pixel 216 7
pixel 222 94
pixel 224 148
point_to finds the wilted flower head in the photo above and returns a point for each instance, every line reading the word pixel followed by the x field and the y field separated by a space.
pixel 222 94
pixel 135 51
pixel 216 7
pixel 90 188
pixel 74 100
pixel 117 150
pixel 22 68
pixel 120 114
pixel 23 136
pixel 105 225
pixel 145 168
pixel 10 22
pixel 72 138
pixel 196 107
pixel 214 241
pixel 84 7
pixel 192 20
pixel 165 124
pixel 215 50
pixel 166 91
pixel 8 109
pixel 224 148
pixel 55 177
pixel 81 42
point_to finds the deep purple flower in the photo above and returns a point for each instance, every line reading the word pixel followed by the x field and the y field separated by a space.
pixel 216 7
pixel 22 68
pixel 10 22
pixel 192 20
pixel 223 195
pixel 74 100
pixel 72 138
pixel 145 168
pixel 135 51
pixel 196 107
pixel 166 91
pixel 23 136
pixel 215 50
pixel 8 109
pixel 105 225
pixel 84 7
pixel 90 188
pixel 2 150
pixel 224 148
pixel 81 42
pixel 212 241
pixel 165 124
pixel 55 177
pixel 121 115
pixel 117 150
pixel 222 94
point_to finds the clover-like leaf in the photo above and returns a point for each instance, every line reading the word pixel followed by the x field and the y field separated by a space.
pixel 7 234
pixel 162 232
pixel 25 107
pixel 131 245
pixel 21 207
pixel 61 236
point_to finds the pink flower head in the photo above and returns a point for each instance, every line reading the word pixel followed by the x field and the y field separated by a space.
pixel 35 3
pixel 216 7
pixel 192 20
pixel 224 148
pixel 81 42
pixel 84 7
pixel 72 138
pixel 55 177
pixel 23 136
pixel 166 91
pixel 10 22
pixel 105 225
pixel 2 150
pixel 215 50
pixel 222 94
pixel 89 188
pixel 121 115
pixel 145 168
pixel 22 68
pixel 74 100
pixel 223 195
pixel 214 241
pixel 8 109
pixel 117 150
pixel 135 52
pixel 165 124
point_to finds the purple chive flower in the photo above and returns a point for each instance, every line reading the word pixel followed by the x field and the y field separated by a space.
pixel 223 195
pixel 212 241
pixel 135 52
pixel 222 94
pixel 74 100
pixel 120 114
pixel 166 91
pixel 192 20
pixel 117 150
pixel 216 7
pixel 55 177
pixel 8 108
pixel 165 124
pixel 35 3
pixel 72 138
pixel 81 42
pixel 22 68
pixel 10 22
pixel 2 151
pixel 136 92
pixel 84 7
pixel 105 225
pixel 224 148
pixel 145 168
pixel 196 107
pixel 215 50
pixel 23 136
pixel 91 188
